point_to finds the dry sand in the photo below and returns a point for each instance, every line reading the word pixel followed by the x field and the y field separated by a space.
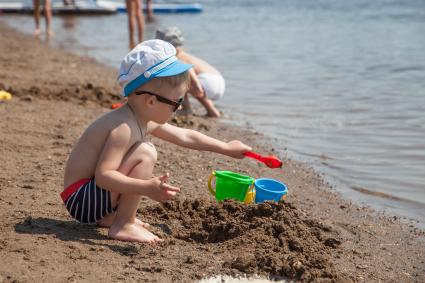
pixel 314 235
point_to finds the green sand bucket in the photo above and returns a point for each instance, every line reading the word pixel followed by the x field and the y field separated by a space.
pixel 229 185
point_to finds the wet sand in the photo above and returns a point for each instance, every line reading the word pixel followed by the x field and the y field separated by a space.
pixel 314 235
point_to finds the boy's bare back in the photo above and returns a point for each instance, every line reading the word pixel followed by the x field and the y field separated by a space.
pixel 86 152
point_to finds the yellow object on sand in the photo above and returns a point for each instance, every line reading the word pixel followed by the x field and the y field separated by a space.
pixel 250 195
pixel 4 95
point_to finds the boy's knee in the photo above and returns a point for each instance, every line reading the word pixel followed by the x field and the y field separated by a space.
pixel 141 154
pixel 147 152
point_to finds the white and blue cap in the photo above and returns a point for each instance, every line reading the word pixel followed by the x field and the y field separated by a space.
pixel 149 59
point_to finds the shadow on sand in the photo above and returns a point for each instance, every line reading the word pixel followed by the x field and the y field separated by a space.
pixel 72 231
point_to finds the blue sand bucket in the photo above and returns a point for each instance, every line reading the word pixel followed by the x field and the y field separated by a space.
pixel 269 189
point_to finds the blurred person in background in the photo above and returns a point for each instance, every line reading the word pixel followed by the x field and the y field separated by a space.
pixel 207 83
pixel 47 15
pixel 135 16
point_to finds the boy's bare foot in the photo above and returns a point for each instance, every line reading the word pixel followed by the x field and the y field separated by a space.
pixel 109 219
pixel 37 32
pixel 50 33
pixel 142 224
pixel 132 232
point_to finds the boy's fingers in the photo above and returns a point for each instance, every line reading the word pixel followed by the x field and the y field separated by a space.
pixel 162 180
pixel 164 177
pixel 170 195
pixel 171 188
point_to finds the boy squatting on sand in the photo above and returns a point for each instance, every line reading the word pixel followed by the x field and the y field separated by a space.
pixel 110 167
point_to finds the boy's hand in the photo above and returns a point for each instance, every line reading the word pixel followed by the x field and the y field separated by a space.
pixel 162 191
pixel 236 149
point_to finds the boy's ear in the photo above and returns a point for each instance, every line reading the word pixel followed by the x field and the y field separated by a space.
pixel 150 100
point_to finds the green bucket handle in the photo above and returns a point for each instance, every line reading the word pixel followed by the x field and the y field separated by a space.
pixel 212 191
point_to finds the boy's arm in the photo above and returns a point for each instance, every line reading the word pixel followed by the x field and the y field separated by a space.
pixel 196 140
pixel 109 177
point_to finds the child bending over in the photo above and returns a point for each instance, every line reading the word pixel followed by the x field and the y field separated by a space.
pixel 207 84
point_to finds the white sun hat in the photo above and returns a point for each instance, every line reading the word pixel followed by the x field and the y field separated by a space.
pixel 149 59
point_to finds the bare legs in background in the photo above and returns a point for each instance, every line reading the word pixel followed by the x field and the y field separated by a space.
pixel 135 15
pixel 47 15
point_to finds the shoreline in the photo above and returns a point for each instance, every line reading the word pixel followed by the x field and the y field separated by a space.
pixel 50 108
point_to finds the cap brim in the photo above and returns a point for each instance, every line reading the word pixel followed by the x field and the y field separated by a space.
pixel 173 69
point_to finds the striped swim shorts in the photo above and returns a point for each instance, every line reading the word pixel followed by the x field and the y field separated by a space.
pixel 86 202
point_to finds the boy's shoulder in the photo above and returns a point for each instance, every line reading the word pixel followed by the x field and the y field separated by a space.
pixel 116 127
pixel 113 120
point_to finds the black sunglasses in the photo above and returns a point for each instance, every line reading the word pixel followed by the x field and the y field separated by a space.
pixel 162 99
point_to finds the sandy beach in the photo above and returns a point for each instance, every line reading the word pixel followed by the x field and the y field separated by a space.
pixel 313 236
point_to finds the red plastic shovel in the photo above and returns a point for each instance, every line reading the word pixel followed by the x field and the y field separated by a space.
pixel 271 161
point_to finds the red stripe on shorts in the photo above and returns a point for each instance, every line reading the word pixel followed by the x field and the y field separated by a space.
pixel 72 189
